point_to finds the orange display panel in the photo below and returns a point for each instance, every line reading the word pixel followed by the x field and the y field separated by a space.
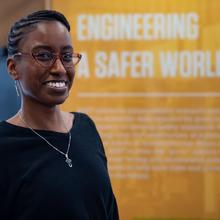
pixel 149 78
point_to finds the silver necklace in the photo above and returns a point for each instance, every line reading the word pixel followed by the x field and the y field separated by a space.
pixel 68 160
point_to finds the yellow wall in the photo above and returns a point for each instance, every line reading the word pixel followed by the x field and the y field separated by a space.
pixel 159 120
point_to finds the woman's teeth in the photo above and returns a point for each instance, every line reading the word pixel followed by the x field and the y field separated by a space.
pixel 56 84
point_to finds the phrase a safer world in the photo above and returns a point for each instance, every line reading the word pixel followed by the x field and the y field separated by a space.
pixel 148 64
pixel 136 29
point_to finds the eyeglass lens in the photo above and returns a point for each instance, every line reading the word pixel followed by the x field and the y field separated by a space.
pixel 47 58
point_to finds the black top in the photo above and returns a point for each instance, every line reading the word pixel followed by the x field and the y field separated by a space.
pixel 37 183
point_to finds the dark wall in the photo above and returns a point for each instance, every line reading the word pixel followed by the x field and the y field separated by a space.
pixel 9 102
pixel 12 10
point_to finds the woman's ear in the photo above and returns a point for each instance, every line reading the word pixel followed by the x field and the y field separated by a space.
pixel 11 64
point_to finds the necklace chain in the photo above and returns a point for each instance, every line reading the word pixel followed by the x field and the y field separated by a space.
pixel 68 160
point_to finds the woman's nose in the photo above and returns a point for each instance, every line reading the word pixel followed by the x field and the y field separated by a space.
pixel 58 66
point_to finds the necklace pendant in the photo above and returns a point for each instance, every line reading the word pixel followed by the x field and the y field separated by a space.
pixel 68 161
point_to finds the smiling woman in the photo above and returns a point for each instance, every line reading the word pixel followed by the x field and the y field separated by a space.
pixel 52 163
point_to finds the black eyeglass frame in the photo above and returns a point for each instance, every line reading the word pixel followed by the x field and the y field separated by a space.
pixel 55 57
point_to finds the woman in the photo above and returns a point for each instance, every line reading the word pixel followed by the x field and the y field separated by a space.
pixel 52 163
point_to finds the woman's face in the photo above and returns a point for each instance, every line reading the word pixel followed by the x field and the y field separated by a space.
pixel 48 85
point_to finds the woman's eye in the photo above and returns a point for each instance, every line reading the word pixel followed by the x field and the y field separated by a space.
pixel 44 56
pixel 67 57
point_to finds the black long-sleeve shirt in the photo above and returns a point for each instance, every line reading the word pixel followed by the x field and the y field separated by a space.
pixel 37 183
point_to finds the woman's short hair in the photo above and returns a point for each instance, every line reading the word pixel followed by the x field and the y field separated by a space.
pixel 19 28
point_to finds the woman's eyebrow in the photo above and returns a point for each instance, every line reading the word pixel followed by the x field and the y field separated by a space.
pixel 68 47
pixel 42 47
pixel 46 47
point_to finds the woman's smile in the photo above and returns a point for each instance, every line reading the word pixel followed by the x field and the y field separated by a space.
pixel 57 84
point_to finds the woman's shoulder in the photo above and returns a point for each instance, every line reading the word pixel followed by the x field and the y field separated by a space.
pixel 6 134
pixel 11 131
pixel 83 118
pixel 4 129
pixel 81 115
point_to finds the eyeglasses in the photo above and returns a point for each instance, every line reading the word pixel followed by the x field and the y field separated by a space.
pixel 47 58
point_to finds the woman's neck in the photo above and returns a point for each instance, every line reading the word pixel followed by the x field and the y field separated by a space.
pixel 43 118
